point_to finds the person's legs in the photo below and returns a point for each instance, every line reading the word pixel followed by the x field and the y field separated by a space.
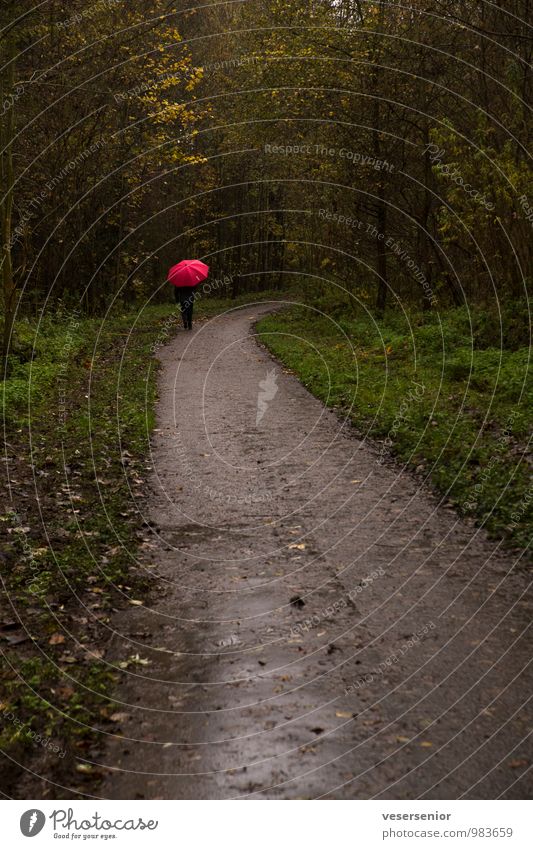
pixel 178 297
pixel 185 297
pixel 183 310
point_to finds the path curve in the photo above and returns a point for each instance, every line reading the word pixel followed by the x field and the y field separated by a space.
pixel 320 626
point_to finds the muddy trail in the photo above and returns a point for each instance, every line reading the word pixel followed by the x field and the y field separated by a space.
pixel 320 625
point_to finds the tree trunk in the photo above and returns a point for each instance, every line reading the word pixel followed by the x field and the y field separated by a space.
pixel 7 132
pixel 381 299
pixel 425 225
pixel 381 238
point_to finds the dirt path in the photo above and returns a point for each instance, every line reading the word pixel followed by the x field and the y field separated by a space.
pixel 241 696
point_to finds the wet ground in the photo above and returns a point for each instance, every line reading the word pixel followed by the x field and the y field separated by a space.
pixel 321 626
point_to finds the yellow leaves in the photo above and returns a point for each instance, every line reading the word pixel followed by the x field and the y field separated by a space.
pixel 169 81
pixel 193 160
pixel 172 34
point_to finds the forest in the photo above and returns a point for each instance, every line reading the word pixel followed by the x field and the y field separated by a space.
pixel 369 159
pixel 376 151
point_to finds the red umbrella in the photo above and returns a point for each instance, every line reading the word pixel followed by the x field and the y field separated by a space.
pixel 188 272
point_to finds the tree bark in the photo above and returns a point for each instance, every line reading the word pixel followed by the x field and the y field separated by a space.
pixel 7 132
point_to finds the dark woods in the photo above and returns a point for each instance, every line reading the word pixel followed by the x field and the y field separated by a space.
pixel 376 153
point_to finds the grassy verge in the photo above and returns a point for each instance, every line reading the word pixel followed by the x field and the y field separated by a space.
pixel 433 393
pixel 78 411
pixel 78 408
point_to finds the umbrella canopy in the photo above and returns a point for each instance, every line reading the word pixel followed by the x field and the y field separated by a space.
pixel 188 272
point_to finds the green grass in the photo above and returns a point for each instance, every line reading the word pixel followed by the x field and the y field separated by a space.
pixel 431 395
pixel 81 393
pixel 61 691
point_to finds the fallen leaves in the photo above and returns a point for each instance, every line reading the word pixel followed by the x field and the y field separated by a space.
pixel 84 769
pixel 95 654
pixel 134 660
pixel 64 692
pixel 119 717
pixel 424 744
pixel 9 626
pixel 16 639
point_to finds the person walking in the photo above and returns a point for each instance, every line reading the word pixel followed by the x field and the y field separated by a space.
pixel 185 276
pixel 184 296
